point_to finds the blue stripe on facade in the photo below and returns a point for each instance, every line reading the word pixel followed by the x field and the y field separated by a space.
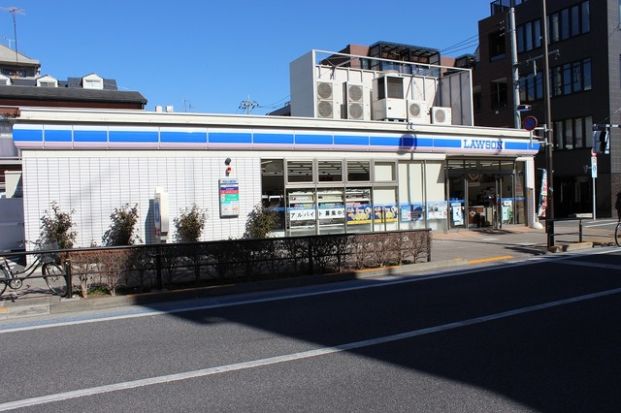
pixel 446 143
pixel 385 141
pixel 90 136
pixel 133 137
pixel 58 135
pixel 286 138
pixel 516 145
pixel 27 135
pixel 183 137
pixel 224 137
pixel 313 139
pixel 351 140
pixel 427 142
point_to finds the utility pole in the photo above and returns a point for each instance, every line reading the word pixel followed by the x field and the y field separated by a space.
pixel 517 121
pixel 548 130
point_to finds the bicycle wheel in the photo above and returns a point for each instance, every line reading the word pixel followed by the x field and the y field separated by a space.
pixel 618 235
pixel 54 277
pixel 6 277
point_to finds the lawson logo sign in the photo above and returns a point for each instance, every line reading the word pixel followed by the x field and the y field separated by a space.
pixel 485 144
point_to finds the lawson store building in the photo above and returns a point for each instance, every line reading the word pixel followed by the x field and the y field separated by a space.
pixel 321 176
pixel 370 145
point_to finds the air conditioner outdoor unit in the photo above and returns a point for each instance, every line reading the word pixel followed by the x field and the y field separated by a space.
pixel 418 112
pixel 389 109
pixel 325 100
pixel 355 101
pixel 440 115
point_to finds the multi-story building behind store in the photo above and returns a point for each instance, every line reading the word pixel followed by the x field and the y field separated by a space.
pixel 585 88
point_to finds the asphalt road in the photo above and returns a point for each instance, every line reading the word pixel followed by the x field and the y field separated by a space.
pixel 538 336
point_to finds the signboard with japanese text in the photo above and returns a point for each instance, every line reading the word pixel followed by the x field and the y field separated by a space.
pixel 229 197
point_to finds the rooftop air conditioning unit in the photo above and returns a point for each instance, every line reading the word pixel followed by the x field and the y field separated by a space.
pixel 389 109
pixel 325 100
pixel 440 115
pixel 418 111
pixel 390 103
pixel 355 101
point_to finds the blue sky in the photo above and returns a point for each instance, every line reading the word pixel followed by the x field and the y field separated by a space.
pixel 210 55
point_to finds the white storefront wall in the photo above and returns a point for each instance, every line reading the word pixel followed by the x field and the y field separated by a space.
pixel 92 162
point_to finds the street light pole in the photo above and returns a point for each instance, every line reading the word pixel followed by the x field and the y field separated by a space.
pixel 548 130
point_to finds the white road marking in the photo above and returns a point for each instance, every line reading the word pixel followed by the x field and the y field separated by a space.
pixel 217 303
pixel 92 391
pixel 601 225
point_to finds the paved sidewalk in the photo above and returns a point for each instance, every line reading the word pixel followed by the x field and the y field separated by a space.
pixel 453 249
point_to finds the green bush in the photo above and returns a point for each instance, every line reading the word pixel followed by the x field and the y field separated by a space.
pixel 56 228
pixel 260 222
pixel 122 230
pixel 190 223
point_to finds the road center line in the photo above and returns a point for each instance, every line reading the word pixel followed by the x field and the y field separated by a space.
pixel 52 398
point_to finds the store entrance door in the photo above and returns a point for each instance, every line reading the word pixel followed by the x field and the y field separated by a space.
pixel 484 195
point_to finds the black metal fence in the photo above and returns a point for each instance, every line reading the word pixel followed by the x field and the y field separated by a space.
pixel 146 267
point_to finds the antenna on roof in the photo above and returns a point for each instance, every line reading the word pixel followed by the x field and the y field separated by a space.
pixel 14 11
pixel 247 105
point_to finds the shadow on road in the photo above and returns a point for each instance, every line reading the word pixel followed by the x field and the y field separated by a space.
pixel 559 360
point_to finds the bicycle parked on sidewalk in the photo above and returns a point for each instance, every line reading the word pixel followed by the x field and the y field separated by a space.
pixel 618 234
pixel 52 273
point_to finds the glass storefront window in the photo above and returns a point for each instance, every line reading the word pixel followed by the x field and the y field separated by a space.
pixel 330 210
pixel 300 171
pixel 330 171
pixel 411 195
pixel 385 209
pixel 456 193
pixel 358 170
pixel 273 191
pixel 301 212
pixel 359 210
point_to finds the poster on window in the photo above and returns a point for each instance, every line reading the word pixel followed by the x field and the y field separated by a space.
pixel 229 197
pixel 412 213
pixel 436 210
pixel 457 213
pixel 507 211
pixel 388 213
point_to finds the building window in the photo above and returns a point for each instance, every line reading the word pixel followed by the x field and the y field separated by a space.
pixel 558 135
pixel 569 134
pixel 567 79
pixel 586 17
pixel 586 73
pixel 557 81
pixel 555 28
pixel 358 171
pixel 588 131
pixel 577 76
pixel 565 24
pixel 575 20
pixel 497 46
pixel 537 33
pixel 579 133
pixel 300 171
pixel 519 34
pixel 330 171
pixel 499 94
pixel 528 30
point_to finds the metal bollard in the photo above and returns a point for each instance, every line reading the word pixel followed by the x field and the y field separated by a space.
pixel 68 279
pixel 580 231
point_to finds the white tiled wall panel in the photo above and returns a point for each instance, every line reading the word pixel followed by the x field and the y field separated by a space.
pixel 93 184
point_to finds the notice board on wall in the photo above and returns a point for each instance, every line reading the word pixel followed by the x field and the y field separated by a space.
pixel 228 189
